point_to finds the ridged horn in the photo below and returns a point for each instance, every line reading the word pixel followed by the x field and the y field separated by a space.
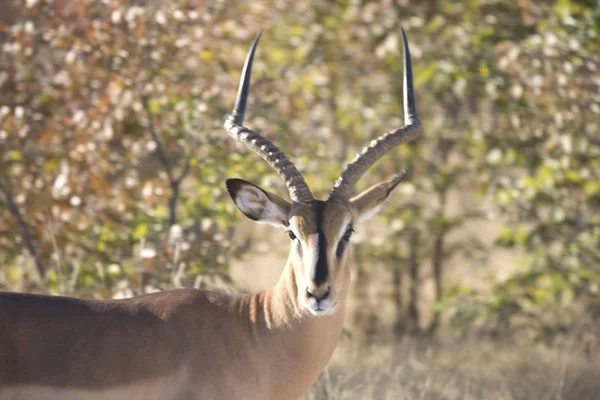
pixel 343 187
pixel 297 187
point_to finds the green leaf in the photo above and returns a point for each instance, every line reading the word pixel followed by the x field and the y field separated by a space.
pixel 15 155
pixel 141 231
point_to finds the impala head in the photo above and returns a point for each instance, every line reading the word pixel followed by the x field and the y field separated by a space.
pixel 319 230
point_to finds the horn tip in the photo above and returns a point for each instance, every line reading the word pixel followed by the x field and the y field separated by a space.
pixel 404 39
pixel 257 37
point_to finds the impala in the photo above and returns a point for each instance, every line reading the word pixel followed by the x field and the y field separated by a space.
pixel 196 344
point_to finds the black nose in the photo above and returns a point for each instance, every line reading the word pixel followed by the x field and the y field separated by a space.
pixel 317 296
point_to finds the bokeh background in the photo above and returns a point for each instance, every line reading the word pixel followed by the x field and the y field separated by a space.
pixel 480 279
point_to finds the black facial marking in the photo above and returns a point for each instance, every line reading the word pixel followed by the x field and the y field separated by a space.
pixel 322 269
pixel 344 241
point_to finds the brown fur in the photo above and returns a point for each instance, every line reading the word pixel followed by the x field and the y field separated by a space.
pixel 179 344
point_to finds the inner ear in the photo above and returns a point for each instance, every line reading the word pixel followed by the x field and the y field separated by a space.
pixel 258 204
pixel 368 203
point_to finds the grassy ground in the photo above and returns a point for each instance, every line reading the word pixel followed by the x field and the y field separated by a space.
pixel 475 369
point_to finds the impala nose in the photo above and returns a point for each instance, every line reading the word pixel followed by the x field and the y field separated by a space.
pixel 318 293
pixel 320 299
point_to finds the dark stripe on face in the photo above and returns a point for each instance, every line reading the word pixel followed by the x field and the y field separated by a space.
pixel 321 270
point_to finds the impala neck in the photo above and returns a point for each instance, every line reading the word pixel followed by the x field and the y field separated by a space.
pixel 299 343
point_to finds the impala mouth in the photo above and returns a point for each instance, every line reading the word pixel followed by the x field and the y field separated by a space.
pixel 321 308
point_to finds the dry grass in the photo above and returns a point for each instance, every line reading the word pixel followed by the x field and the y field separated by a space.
pixel 475 369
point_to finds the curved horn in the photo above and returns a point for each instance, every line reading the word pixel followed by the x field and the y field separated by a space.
pixel 297 187
pixel 377 148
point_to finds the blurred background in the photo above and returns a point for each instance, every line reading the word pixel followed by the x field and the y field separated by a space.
pixel 480 279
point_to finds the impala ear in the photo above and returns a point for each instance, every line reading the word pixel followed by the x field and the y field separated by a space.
pixel 258 204
pixel 368 203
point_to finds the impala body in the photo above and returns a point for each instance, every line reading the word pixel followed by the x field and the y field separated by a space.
pixel 181 344
pixel 194 344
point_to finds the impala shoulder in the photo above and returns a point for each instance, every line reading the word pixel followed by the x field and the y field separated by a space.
pixel 182 302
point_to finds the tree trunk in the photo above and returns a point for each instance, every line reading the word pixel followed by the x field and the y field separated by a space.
pixel 437 260
pixel 400 325
pixel 414 267
pixel 360 321
pixel 438 251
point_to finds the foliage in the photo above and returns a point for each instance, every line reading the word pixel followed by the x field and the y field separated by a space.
pixel 542 166
pixel 113 153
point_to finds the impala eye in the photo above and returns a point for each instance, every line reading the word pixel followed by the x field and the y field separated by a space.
pixel 344 241
pixel 291 235
pixel 348 234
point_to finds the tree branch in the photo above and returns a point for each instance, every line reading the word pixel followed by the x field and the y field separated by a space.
pixel 14 210
pixel 187 163
pixel 593 140
pixel 164 160
pixel 162 155
pixel 174 182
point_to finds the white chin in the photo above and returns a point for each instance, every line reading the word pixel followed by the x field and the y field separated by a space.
pixel 321 312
